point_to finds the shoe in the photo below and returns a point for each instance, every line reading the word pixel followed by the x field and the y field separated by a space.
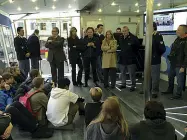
pixel 86 85
pixel 176 97
pixel 154 96
pixel 106 86
pixel 141 92
pixel 80 84
pixel 96 84
pixel 122 86
pixel 167 92
pixel 132 89
pixel 113 87
pixel 75 84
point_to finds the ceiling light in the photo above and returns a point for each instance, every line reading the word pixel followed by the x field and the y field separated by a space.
pixel 69 6
pixel 11 1
pixel 113 4
pixel 100 10
pixel 99 19
pixel 159 4
pixel 54 0
pixel 34 0
pixel 53 7
pixel 119 11
pixel 36 8
pixel 19 8
pixel 136 4
pixel 138 11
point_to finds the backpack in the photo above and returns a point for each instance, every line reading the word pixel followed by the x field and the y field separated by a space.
pixel 25 100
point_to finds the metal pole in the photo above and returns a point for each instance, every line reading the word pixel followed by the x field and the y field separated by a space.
pixel 148 48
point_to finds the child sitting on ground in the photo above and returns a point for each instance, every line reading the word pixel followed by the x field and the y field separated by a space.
pixel 39 100
pixel 18 77
pixel 93 109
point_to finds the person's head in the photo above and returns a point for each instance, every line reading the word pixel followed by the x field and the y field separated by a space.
pixel 7 69
pixel 182 31
pixel 38 82
pixel 2 82
pixel 125 31
pixel 64 83
pixel 20 31
pixel 90 32
pixel 73 32
pixel 95 31
pixel 96 94
pixel 55 31
pixel 109 35
pixel 154 110
pixel 118 30
pixel 154 26
pixel 17 71
pixel 36 32
pixel 34 73
pixel 8 77
pixel 111 112
pixel 100 28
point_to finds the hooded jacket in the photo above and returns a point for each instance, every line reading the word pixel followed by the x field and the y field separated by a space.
pixel 58 106
pixel 5 100
pixel 153 130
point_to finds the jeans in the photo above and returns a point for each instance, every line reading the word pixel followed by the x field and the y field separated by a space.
pixel 35 63
pixel 112 73
pixel 24 66
pixel 22 117
pixel 79 76
pixel 87 62
pixel 132 73
pixel 155 78
pixel 99 68
pixel 180 80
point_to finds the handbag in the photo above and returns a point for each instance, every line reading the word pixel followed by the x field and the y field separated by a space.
pixel 4 122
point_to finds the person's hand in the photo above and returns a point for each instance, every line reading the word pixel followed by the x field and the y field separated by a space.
pixel 27 54
pixel 7 132
pixel 89 44
pixel 181 70
pixel 7 87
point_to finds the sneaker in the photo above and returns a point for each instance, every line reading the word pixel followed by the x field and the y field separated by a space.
pixel 86 85
pixel 132 89
pixel 167 92
pixel 122 87
pixel 176 97
pixel 154 96
pixel 75 84
pixel 96 84
pixel 80 84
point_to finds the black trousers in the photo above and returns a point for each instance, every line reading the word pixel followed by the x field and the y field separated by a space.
pixel 22 117
pixel 57 70
pixel 112 73
pixel 87 62
pixel 79 76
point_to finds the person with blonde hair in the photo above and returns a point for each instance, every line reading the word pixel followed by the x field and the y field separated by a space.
pixel 109 47
pixel 110 124
pixel 93 109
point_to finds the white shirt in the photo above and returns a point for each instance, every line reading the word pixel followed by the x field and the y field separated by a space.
pixel 58 106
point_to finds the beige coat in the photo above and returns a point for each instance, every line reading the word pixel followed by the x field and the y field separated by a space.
pixel 109 54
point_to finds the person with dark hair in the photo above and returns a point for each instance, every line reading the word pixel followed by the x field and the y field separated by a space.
pixel 155 127
pixel 75 49
pixel 33 44
pixel 91 43
pixel 93 109
pixel 118 30
pixel 99 53
pixel 39 100
pixel 56 55
pixel 178 62
pixel 63 104
pixel 23 54
pixel 129 45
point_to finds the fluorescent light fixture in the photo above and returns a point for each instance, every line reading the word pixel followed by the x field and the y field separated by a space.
pixel 54 0
pixel 53 7
pixel 100 10
pixel 136 4
pixel 69 6
pixel 181 107
pixel 19 9
pixel 34 0
pixel 113 4
pixel 159 4
pixel 119 11
pixel 99 19
pixel 36 8
pixel 138 11
pixel 11 1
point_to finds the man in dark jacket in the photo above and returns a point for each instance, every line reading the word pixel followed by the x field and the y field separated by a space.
pixel 178 62
pixel 158 48
pixel 129 45
pixel 20 44
pixel 56 55
pixel 33 44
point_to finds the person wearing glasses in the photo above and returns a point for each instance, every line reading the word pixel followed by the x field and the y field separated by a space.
pixel 56 55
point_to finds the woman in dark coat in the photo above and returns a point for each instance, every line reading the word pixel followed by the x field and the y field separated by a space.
pixel 75 56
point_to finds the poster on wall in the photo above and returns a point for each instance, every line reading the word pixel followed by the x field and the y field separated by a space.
pixel 42 26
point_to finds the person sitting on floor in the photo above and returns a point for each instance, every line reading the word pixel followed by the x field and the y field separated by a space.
pixel 39 100
pixel 9 81
pixel 93 109
pixel 110 124
pixel 5 99
pixel 63 104
pixel 18 77
pixel 155 127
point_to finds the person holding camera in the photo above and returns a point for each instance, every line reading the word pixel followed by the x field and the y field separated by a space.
pixel 178 62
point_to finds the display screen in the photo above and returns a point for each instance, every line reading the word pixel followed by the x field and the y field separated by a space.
pixel 168 21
